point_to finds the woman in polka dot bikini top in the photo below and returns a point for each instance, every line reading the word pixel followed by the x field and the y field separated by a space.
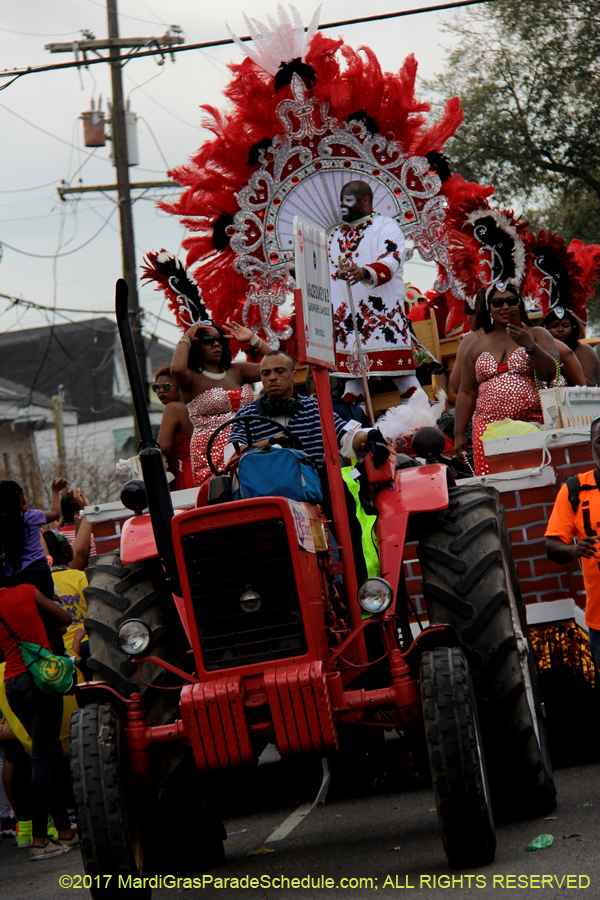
pixel 212 386
pixel 500 370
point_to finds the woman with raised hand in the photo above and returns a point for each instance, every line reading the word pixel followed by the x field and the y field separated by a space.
pixel 212 386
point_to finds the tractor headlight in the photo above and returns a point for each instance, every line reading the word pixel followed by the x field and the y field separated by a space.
pixel 134 637
pixel 375 595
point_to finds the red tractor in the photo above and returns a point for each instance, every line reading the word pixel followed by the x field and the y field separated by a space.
pixel 221 628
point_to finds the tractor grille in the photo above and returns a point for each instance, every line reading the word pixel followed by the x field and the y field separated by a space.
pixel 225 563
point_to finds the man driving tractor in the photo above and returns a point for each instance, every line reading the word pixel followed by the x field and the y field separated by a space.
pixel 300 415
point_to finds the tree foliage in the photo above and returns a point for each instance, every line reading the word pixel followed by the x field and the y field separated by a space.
pixel 528 76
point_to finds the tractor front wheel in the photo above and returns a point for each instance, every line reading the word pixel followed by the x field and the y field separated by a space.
pixel 456 759
pixel 109 831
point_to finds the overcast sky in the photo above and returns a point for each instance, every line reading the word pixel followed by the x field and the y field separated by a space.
pixel 41 138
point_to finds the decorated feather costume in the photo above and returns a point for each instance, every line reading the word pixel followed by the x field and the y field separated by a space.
pixel 306 114
pixel 377 244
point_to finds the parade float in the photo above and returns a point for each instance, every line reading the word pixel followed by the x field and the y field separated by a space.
pixel 218 625
pixel 295 130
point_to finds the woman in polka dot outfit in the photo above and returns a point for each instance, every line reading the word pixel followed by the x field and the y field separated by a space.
pixel 499 372
pixel 212 386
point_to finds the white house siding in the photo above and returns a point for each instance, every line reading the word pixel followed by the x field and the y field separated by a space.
pixel 91 455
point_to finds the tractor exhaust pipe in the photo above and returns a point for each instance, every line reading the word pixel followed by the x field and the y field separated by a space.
pixel 160 505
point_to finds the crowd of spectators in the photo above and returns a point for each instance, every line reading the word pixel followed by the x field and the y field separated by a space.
pixel 44 555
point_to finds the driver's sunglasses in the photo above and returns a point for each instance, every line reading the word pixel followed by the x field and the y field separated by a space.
pixel 165 386
pixel 209 341
pixel 498 302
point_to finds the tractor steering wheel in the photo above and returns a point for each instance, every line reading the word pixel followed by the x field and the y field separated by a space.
pixel 245 420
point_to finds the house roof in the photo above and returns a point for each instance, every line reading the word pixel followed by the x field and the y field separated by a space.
pixel 18 403
pixel 81 356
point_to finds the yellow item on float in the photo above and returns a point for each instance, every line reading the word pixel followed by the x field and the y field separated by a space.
pixel 508 428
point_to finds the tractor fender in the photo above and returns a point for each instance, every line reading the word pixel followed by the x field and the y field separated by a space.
pixel 87 692
pixel 137 540
pixel 429 639
pixel 421 489
pixel 415 490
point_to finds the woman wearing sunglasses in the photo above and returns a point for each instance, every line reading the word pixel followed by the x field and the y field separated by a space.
pixel 175 430
pixel 502 371
pixel 212 386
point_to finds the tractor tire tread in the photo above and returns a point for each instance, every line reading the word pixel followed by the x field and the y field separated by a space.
pixel 484 605
pixel 456 758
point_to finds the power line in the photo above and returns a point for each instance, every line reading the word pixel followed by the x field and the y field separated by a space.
pixel 152 13
pixel 125 16
pixel 43 130
pixel 36 188
pixel 67 252
pixel 30 304
pixel 36 34
pixel 84 63
pixel 20 301
pixel 164 108
pixel 153 136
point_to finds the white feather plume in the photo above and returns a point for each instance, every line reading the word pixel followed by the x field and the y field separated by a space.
pixel 401 422
pixel 277 42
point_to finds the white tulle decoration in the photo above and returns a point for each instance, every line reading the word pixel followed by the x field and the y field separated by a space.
pixel 280 42
pixel 401 422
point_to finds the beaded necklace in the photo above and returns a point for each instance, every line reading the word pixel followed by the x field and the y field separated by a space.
pixel 214 376
pixel 537 380
pixel 349 237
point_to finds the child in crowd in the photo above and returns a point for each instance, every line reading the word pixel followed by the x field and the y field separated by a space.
pixel 69 584
pixel 71 503
pixel 22 552
pixel 23 556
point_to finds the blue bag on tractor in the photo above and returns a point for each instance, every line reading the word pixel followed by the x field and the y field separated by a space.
pixel 278 472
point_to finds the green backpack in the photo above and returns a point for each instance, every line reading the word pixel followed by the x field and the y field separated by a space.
pixel 52 674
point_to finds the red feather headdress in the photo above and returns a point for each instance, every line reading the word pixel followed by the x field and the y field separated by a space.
pixel 487 247
pixel 342 99
pixel 561 276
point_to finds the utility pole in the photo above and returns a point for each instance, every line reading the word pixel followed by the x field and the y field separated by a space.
pixel 57 405
pixel 119 136
pixel 114 44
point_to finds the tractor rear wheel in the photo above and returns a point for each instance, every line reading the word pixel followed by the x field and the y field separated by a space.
pixel 470 581
pixel 108 827
pixel 456 759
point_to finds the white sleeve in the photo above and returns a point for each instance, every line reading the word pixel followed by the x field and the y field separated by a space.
pixel 371 278
pixel 228 452
pixel 346 448
pixel 350 429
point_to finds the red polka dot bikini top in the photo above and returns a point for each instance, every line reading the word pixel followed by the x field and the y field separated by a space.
pixel 217 402
pixel 518 363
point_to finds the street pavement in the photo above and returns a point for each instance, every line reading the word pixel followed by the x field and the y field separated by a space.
pixel 391 839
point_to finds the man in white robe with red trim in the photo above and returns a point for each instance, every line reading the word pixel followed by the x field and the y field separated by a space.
pixel 367 250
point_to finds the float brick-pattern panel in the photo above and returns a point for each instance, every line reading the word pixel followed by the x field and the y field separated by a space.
pixel 527 513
